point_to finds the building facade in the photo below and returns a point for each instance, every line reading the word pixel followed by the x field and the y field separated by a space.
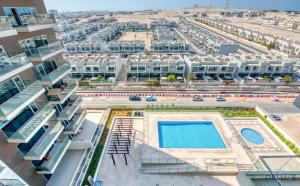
pixel 40 112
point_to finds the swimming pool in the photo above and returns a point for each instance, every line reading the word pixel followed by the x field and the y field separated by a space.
pixel 189 134
pixel 253 136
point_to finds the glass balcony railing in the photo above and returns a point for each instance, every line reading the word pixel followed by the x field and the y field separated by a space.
pixel 60 94
pixel 45 142
pixel 57 74
pixel 32 125
pixel 14 182
pixel 48 49
pixel 18 102
pixel 8 64
pixel 37 19
pixel 55 155
pixel 71 108
pixel 76 122
pixel 6 23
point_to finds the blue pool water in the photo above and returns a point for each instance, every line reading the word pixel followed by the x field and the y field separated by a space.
pixel 253 136
pixel 189 134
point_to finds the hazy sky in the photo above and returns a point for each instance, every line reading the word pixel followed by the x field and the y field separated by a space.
pixel 70 5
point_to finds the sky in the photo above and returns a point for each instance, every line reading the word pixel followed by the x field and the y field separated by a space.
pixel 112 5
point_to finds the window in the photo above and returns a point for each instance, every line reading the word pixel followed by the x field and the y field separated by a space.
pixel 96 69
pixel 180 68
pixel 142 68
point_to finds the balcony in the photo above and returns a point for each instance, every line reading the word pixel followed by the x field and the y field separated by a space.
pixel 30 128
pixel 6 28
pixel 55 155
pixel 76 122
pixel 30 23
pixel 56 75
pixel 60 95
pixel 12 107
pixel 47 51
pixel 70 109
pixel 42 146
pixel 11 66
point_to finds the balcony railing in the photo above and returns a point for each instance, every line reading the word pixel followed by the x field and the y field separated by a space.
pixel 14 182
pixel 6 23
pixel 71 108
pixel 36 19
pixel 60 94
pixel 33 125
pixel 18 102
pixel 38 151
pixel 57 74
pixel 51 47
pixel 47 51
pixel 12 63
pixel 55 155
pixel 76 122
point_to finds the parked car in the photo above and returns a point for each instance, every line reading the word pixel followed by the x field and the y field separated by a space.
pixel 220 98
pixel 151 98
pixel 198 98
pixel 275 117
pixel 135 98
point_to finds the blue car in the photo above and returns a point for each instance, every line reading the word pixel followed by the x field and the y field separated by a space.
pixel 151 98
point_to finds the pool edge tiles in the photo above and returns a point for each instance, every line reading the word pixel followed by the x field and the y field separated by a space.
pixel 185 135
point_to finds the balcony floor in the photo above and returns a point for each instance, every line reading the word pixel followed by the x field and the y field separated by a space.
pixel 14 159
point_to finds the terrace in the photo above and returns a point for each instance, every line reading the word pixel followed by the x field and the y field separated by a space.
pixel 11 66
pixel 72 106
pixel 76 122
pixel 61 94
pixel 30 23
pixel 55 155
pixel 31 127
pixel 41 147
pixel 47 51
pixel 56 75
pixel 6 28
pixel 11 108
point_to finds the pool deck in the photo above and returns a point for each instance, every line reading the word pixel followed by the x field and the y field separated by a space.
pixel 145 148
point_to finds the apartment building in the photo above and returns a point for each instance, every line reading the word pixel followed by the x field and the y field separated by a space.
pixel 86 66
pixel 141 67
pixel 39 111
pixel 9 177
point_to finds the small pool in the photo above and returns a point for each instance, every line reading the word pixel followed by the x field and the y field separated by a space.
pixel 189 134
pixel 252 136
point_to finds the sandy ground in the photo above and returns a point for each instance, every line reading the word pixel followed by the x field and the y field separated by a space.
pixel 142 36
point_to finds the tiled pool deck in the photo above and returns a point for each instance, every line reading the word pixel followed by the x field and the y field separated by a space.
pixel 145 147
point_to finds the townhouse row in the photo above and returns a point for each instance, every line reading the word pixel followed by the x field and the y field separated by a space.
pixel 192 68
pixel 282 23
pixel 40 113
pixel 209 42
pixel 286 46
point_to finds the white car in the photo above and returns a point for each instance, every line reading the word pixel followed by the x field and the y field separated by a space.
pixel 220 98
